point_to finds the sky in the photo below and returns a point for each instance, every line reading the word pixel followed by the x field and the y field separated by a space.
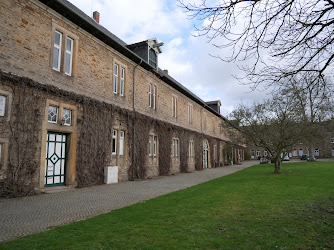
pixel 186 57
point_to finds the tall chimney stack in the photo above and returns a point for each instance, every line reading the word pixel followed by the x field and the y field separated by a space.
pixel 96 16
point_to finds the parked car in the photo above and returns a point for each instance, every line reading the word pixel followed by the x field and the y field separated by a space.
pixel 263 160
pixel 286 158
pixel 305 157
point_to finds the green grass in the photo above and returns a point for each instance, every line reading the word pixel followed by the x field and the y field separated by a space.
pixel 251 209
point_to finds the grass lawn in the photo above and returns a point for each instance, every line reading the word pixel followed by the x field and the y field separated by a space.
pixel 250 209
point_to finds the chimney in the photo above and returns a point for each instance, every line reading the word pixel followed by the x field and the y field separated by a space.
pixel 96 16
pixel 166 71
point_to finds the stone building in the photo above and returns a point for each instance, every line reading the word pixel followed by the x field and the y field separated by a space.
pixel 74 99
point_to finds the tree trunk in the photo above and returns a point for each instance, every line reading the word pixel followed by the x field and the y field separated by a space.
pixel 278 163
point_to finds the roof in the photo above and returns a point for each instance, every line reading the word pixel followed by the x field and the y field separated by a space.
pixel 79 18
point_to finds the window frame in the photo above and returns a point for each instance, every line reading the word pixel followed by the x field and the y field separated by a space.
pixel 175 147
pixel 150 145
pixel 174 106
pixel 190 113
pixel 116 67
pixel 4 107
pixel 57 113
pixel 64 123
pixel 121 142
pixel 121 83
pixel 59 47
pixel 152 61
pixel 70 53
pixel 114 142
pixel 155 143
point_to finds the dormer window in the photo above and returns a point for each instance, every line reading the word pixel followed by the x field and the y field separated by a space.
pixel 153 58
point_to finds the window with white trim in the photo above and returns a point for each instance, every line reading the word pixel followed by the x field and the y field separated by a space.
pixel 121 83
pixel 332 139
pixel 152 145
pixel 191 149
pixel 53 114
pixel 174 106
pixel 67 117
pixel 258 153
pixel 190 113
pixel 69 56
pixel 294 152
pixel 3 100
pixel 175 147
pixel 63 61
pixel 57 50
pixel 152 96
pixel 121 142
pixel 114 142
pixel 265 153
pixel 115 78
pixel 155 142
pixel 332 151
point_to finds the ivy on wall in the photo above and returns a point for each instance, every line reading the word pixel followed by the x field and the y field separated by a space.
pixel 95 123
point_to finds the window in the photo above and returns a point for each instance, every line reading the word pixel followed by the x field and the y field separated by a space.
pixel 152 96
pixel 175 148
pixel 67 116
pixel 57 50
pixel 252 153
pixel 155 141
pixel 121 142
pixel 190 114
pixel 300 152
pixel 152 145
pixel 115 78
pixel 332 151
pixel 153 58
pixel 294 152
pixel 258 153
pixel 332 139
pixel 2 105
pixel 69 56
pixel 174 107
pixel 114 142
pixel 316 152
pixel 265 153
pixel 191 149
pixel 53 114
pixel 121 84
pixel 63 62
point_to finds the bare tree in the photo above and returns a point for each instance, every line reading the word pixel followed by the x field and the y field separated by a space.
pixel 271 125
pixel 313 99
pixel 281 37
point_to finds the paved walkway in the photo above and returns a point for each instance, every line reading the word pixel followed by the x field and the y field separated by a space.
pixel 23 216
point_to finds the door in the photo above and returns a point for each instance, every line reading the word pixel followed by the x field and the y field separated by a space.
pixel 205 154
pixel 55 164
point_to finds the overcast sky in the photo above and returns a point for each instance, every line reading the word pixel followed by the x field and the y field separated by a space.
pixel 186 57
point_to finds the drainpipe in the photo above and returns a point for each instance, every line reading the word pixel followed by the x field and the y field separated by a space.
pixel 133 122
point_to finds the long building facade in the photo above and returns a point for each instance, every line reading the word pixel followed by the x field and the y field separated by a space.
pixel 75 99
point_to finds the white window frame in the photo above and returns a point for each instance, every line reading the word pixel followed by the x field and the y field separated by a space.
pixel 65 123
pixel 191 148
pixel 258 153
pixel 332 139
pixel 265 153
pixel 174 106
pixel 3 100
pixel 114 142
pixel 57 109
pixel 116 67
pixel 155 142
pixel 57 46
pixel 332 151
pixel 175 147
pixel 190 113
pixel 150 145
pixel 150 95
pixel 70 53
pixel 121 142
pixel 121 84
pixel 294 152
pixel 154 96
